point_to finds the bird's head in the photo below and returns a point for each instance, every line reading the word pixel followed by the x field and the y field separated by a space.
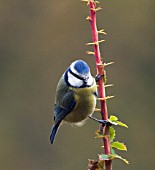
pixel 78 75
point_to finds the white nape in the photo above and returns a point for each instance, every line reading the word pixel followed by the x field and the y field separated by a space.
pixel 90 80
pixel 73 69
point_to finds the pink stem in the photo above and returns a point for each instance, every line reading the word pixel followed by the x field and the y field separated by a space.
pixel 101 88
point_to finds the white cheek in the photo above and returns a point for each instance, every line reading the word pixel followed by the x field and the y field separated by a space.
pixel 73 81
pixel 90 81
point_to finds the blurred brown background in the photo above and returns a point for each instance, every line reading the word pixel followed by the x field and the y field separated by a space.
pixel 38 40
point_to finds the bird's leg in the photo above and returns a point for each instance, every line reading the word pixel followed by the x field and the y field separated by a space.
pixel 103 122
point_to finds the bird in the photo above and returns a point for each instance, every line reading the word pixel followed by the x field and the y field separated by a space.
pixel 75 98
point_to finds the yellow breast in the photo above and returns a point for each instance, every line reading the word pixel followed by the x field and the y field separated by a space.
pixel 85 104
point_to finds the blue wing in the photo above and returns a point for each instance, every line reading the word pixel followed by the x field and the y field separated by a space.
pixel 60 111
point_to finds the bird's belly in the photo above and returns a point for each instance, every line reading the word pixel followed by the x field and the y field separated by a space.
pixel 84 107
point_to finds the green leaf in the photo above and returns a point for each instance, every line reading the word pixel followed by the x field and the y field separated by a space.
pixel 113 118
pixel 114 121
pixel 119 157
pixel 113 151
pixel 119 146
pixel 112 133
pixel 122 124
pixel 126 161
pixel 104 157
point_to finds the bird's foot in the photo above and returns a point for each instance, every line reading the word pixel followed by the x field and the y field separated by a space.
pixel 103 122
pixel 98 77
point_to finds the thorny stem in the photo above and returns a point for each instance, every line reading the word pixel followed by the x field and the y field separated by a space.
pixel 101 86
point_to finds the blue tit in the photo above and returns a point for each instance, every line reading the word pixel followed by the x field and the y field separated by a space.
pixel 75 97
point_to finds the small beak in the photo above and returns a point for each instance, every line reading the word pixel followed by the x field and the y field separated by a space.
pixel 86 80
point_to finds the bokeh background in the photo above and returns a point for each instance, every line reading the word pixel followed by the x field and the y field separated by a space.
pixel 38 41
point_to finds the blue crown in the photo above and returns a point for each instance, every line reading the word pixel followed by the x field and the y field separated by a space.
pixel 81 67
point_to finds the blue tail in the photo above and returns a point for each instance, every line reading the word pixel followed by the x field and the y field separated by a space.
pixel 54 131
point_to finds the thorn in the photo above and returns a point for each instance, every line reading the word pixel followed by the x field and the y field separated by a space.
pixel 101 41
pixel 105 98
pixel 107 64
pixel 90 52
pixel 97 110
pixel 100 64
pixel 95 43
pixel 102 32
pixel 105 136
pixel 88 18
pixel 86 1
pixel 109 85
pixel 97 2
pixel 96 9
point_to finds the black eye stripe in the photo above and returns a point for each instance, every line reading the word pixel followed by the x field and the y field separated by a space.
pixel 75 75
